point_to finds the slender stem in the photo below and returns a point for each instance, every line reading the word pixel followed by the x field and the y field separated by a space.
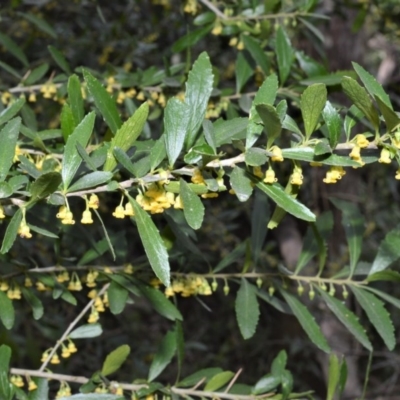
pixel 211 6
pixel 71 327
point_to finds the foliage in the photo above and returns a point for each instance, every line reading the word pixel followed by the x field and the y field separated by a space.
pixel 124 175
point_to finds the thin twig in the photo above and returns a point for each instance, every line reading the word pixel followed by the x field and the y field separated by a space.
pixel 211 6
pixel 234 379
pixel 71 327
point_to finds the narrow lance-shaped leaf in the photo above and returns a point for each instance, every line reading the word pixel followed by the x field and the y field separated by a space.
pixel 333 122
pixel 7 313
pixel 152 243
pixel 59 58
pixel 198 91
pixel 8 138
pixel 36 74
pixel 392 120
pixel 243 71
pixel 103 101
pixel 72 160
pixel 241 184
pixel 86 331
pixel 45 185
pixel 377 315
pixel 115 359
pixel 11 110
pixel 13 48
pixel 347 318
pixel 11 232
pixel 193 207
pixel 284 54
pixel 388 251
pixel 126 136
pixel 307 321
pixel 312 103
pixel 90 180
pixel 34 302
pixel 259 221
pixel 361 99
pixel 75 98
pixel 67 122
pixel 247 309
pixel 333 376
pixel 5 385
pixel 257 52
pixel 176 121
pixel 271 120
pixel 218 381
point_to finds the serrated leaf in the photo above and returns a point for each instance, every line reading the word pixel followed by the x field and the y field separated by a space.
pixel 257 52
pixel 104 102
pixel 353 224
pixel 312 103
pixel 377 315
pixel 307 321
pixel 11 110
pixel 7 313
pixel 284 54
pixel 347 318
pixel 392 120
pixel 372 85
pixel 34 302
pixel 176 121
pixel 387 297
pixel 86 331
pixel 90 180
pixel 198 91
pixel 75 98
pixel 241 184
pixel 361 99
pixel 255 156
pixel 72 159
pixel 203 375
pixel 8 138
pixel 286 202
pixel 193 207
pixel 59 58
pixel 11 232
pixel 127 134
pixel 160 303
pixel 163 357
pixel 115 359
pixel 271 120
pixel 243 71
pixel 158 153
pixel 247 309
pixel 333 122
pixel 117 297
pixel 152 243
pixel 218 381
pixel 238 252
pixel 266 384
pixel 13 48
pixel 45 185
pixel 266 94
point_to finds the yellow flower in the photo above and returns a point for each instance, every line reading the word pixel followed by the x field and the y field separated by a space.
pixel 93 201
pixel 6 97
pixel 24 230
pixel 361 141
pixel 178 203
pixel 2 215
pixel 209 195
pixel 41 287
pixel 32 385
pixel 276 154
pixel 233 41
pixel 385 156
pixel 62 212
pixel 258 172
pixel 396 143
pixel 71 347
pixel 240 45
pixel 87 217
pixel 119 212
pixel 397 174
pixel 140 96
pixel 334 174
pixel 197 177
pixel 121 97
pixel 28 282
pixel 93 317
pixel 32 97
pixel 65 353
pixel 128 269
pixel 297 177
pixel 68 219
pixel 49 90
pixel 17 380
pixel 169 291
pixel 270 176
pixel 55 359
pixel 162 101
pixel 315 164
pixel 129 210
pixel 355 153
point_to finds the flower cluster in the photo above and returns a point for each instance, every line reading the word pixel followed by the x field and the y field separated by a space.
pixel 64 390
pixel 189 286
pixel 334 174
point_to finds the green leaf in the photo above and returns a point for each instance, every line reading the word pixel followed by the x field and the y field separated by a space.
pixel 8 138
pixel 40 23
pixel 232 129
pixel 198 90
pixel 392 120
pixel 291 125
pixel 307 321
pixel 257 53
pixel 42 391
pixel 45 185
pixel 388 251
pixel 312 103
pixel 243 71
pixel 388 275
pixel 36 74
pixel 266 94
pixel 190 39
pixel 266 384
pixel 193 207
pixel 12 71
pixel 163 357
pixel 241 184
pixel 160 303
pixel 117 296
pixel 347 318
pixel 158 153
pixel 361 99
pixel 115 359
pixel 353 116
pixel 209 134
pixel 67 122
pixel 279 363
pixel 11 110
pixel 286 202
pixel 13 48
pixel 247 309
pixel 353 223
pixel 284 54
pixel 127 134
pixel 218 381
pixel 5 385
pixel 387 297
pixel 75 98
pixel 7 313
pixel 72 159
pixel 333 122
pixel 204 375
pixel 259 220
pixel 6 190
pixel 271 120
pixel 255 156
pixel 34 302
pixel 176 121
pixel 90 180
pixel 86 331
pixel 333 376
pixel 372 85
pixel 104 102
pixel 59 58
pixel 11 232
pixel 152 243
pixel 231 257
pixel 377 315
pixel 92 396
